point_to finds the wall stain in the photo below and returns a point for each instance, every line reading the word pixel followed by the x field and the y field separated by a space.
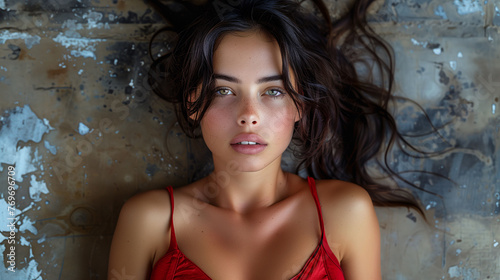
pixel 58 75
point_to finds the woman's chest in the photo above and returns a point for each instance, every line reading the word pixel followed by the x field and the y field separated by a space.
pixel 266 245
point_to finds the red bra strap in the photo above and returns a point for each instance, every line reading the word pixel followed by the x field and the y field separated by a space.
pixel 312 186
pixel 173 241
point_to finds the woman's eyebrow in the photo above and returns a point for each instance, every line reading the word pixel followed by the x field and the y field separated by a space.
pixel 238 81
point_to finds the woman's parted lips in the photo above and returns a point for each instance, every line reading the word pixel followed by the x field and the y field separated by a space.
pixel 248 138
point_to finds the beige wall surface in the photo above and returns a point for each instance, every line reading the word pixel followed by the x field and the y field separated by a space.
pixel 80 133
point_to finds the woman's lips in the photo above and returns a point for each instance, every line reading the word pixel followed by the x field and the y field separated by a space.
pixel 248 137
pixel 248 144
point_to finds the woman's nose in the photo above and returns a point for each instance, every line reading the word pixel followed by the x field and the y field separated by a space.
pixel 248 113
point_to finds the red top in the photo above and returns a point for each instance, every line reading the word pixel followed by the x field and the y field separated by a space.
pixel 322 264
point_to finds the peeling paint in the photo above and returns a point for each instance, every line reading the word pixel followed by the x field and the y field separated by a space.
pixel 29 40
pixel 86 54
pixel 93 19
pixel 83 129
pixel 37 188
pixel 30 272
pixel 22 125
pixel 52 149
pixel 464 273
pixel 75 40
pixel 72 24
pixel 27 225
pixel 4 214
pixel 453 65
pixel 417 43
pixel 23 241
pixel 81 46
pixel 454 272
pixel 439 11
pixel 431 204
pixel 467 6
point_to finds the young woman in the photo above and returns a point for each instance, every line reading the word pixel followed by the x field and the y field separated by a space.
pixel 249 80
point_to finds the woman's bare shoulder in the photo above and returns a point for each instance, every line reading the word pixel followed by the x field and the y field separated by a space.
pixel 350 218
pixel 150 211
pixel 153 208
pixel 141 229
pixel 149 201
pixel 344 195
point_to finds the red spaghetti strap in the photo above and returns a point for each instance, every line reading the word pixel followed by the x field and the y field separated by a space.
pixel 312 186
pixel 173 241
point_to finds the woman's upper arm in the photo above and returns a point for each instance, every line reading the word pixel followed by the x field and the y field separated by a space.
pixel 362 249
pixel 352 225
pixel 142 225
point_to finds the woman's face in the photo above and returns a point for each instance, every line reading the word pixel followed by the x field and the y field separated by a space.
pixel 250 122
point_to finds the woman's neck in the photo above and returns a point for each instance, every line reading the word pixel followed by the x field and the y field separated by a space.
pixel 244 192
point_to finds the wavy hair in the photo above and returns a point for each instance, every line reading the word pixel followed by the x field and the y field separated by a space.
pixel 344 78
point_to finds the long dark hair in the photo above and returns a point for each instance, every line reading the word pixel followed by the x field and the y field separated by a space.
pixel 344 75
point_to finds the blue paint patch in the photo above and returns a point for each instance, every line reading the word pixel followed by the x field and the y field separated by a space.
pixel 83 53
pixel 29 40
pixel 37 188
pixel 439 11
pixel 83 129
pixel 467 6
pixel 27 225
pixel 21 125
pixel 52 149
pixel 80 46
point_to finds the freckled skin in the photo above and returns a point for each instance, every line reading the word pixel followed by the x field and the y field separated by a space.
pixel 248 109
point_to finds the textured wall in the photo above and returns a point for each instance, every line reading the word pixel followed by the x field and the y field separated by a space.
pixel 83 133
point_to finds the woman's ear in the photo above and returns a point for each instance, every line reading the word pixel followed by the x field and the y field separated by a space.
pixel 192 98
pixel 298 115
pixel 299 105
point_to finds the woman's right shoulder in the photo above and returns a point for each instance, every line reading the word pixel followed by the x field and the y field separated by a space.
pixel 148 213
pixel 142 229
pixel 148 203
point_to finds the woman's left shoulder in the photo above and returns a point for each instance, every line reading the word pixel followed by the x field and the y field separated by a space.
pixel 347 209
pixel 351 224
pixel 345 195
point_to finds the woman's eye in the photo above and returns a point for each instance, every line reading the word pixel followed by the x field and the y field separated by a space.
pixel 274 92
pixel 223 91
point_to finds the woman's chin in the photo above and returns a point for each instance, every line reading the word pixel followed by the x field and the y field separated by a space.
pixel 245 165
